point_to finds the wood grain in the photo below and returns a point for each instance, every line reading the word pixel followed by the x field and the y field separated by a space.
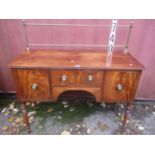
pixel 75 60
pixel 26 78
pixel 94 91
pixel 128 80
pixel 70 81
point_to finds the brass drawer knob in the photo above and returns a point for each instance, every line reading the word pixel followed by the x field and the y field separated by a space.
pixel 119 87
pixel 34 86
pixel 64 78
pixel 90 78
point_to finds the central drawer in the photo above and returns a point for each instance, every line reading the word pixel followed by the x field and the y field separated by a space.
pixel 76 78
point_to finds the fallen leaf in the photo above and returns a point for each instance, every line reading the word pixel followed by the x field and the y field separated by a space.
pixel 90 104
pixel 12 106
pixel 78 126
pixel 72 109
pixel 102 126
pixel 65 133
pixel 103 105
pixel 64 102
pixel 10 119
pixel 141 127
pixel 40 126
pixel 19 119
pixel 4 110
pixel 88 131
pixel 15 110
pixel 122 106
pixel 66 105
pixel 83 125
pixel 31 113
pixel 40 119
pixel 59 117
pixel 4 128
pixel 119 114
pixel 6 113
pixel 33 105
pixel 28 103
pixel 50 110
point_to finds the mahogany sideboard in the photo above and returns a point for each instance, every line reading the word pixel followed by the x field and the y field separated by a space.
pixel 42 75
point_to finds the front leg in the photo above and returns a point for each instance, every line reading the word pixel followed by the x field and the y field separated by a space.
pixel 126 114
pixel 25 116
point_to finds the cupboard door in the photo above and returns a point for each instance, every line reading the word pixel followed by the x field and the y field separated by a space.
pixel 34 84
pixel 120 85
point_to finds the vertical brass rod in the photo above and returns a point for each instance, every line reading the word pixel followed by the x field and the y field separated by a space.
pixel 26 37
pixel 128 38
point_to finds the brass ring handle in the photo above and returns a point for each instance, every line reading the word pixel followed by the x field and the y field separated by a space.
pixel 34 86
pixel 90 78
pixel 64 77
pixel 119 87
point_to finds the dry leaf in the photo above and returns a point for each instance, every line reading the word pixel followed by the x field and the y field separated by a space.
pixel 64 102
pixel 66 105
pixel 153 112
pixel 88 131
pixel 141 127
pixel 40 126
pixel 103 105
pixel 72 109
pixel 78 126
pixel 10 119
pixel 102 126
pixel 31 113
pixel 28 103
pixel 4 110
pixel 19 120
pixel 50 110
pixel 33 105
pixel 59 117
pixel 12 106
pixel 4 128
pixel 65 133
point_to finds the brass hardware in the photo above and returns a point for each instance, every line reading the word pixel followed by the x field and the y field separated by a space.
pixel 119 87
pixel 34 86
pixel 90 78
pixel 64 78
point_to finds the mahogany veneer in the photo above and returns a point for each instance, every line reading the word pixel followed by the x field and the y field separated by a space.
pixel 45 75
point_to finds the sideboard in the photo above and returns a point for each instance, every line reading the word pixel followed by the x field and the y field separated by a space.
pixel 43 75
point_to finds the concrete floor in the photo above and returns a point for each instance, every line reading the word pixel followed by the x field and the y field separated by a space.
pixel 77 118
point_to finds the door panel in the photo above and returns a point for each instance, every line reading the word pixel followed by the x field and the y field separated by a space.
pixel 34 84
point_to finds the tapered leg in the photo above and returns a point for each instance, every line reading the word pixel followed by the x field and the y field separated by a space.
pixel 25 117
pixel 127 111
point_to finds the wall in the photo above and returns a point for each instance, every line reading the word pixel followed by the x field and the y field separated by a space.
pixel 141 45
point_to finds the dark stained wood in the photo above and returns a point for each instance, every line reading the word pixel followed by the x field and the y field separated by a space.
pixel 128 81
pixel 72 60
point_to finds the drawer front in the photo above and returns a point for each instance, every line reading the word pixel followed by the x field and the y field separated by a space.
pixel 120 85
pixel 90 78
pixel 57 91
pixel 34 84
pixel 70 78
pixel 64 78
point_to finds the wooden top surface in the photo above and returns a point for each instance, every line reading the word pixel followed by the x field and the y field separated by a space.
pixel 75 60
